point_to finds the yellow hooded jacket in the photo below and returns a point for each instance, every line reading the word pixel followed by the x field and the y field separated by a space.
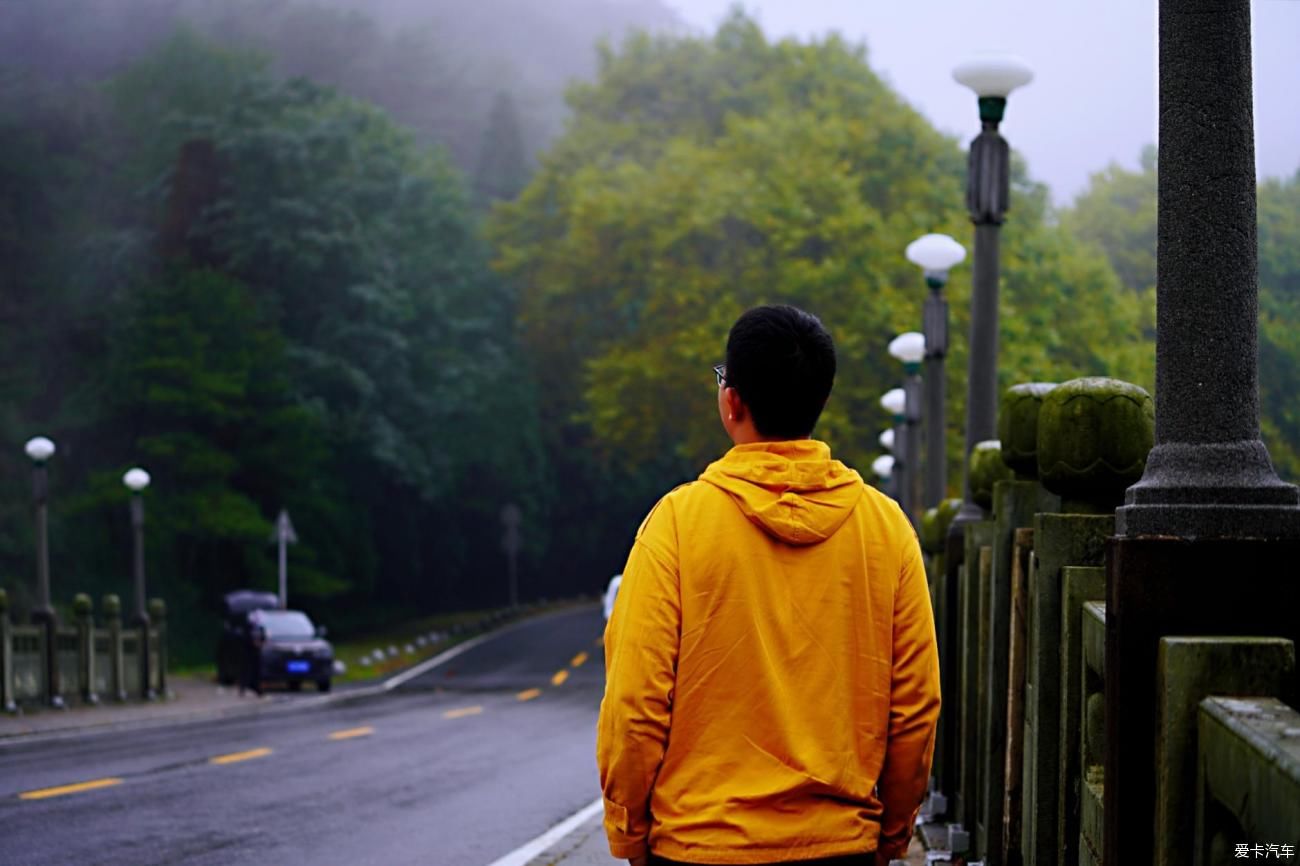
pixel 772 678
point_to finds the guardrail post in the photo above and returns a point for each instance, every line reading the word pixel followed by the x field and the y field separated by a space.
pixel 934 534
pixel 1093 437
pixel 986 469
pixel 1092 743
pixel 8 703
pixel 82 607
pixel 1022 566
pixel 117 664
pixel 158 616
pixel 1015 502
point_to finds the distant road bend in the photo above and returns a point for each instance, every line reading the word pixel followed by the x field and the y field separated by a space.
pixel 456 767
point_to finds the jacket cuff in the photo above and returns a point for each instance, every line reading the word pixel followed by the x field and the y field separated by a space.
pixel 628 850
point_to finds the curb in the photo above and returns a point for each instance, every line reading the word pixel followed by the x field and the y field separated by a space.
pixel 343 696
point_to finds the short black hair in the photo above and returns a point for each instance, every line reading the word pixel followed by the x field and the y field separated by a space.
pixel 782 361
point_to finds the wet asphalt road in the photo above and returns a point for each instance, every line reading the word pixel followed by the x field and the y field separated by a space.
pixel 455 770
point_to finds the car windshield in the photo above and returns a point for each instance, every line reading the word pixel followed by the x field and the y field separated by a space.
pixel 286 625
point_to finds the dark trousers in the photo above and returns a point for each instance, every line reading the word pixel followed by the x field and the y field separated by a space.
pixel 867 859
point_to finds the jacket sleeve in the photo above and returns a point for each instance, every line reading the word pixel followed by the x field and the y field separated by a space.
pixel 913 706
pixel 641 644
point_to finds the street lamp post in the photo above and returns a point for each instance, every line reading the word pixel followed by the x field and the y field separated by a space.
pixel 895 403
pixel 909 349
pixel 883 466
pixel 136 480
pixel 992 77
pixel 40 450
pixel 935 254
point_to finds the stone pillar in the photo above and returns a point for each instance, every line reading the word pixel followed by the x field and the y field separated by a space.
pixel 1209 474
pixel 82 608
pixel 7 701
pixel 112 606
pixel 1015 502
pixel 934 535
pixel 1093 438
pixel 1209 502
pixel 986 470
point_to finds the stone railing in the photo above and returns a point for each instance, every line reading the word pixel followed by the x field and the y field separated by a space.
pixel 89 662
pixel 1247 789
pixel 1019 608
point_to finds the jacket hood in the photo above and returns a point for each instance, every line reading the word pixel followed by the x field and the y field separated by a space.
pixel 793 490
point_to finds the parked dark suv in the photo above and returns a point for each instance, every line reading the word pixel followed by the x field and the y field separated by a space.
pixel 293 650
pixel 236 606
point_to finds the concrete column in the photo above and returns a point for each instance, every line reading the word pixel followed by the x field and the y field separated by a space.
pixel 1209 474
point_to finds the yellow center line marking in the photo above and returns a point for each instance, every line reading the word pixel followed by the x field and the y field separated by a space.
pixel 579 660
pixel 42 793
pixel 236 757
pixel 462 712
pixel 528 694
pixel 559 678
pixel 351 733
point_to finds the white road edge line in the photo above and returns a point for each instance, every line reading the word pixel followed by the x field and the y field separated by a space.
pixel 443 657
pixel 524 853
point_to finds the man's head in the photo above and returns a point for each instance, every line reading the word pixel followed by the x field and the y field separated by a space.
pixel 779 371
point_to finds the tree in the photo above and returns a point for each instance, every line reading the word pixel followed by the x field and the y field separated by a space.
pixel 200 394
pixel 701 177
pixel 502 164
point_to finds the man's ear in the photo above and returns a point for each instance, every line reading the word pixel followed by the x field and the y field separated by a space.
pixel 735 406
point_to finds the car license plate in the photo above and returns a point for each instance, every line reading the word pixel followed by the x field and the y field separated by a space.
pixel 299 667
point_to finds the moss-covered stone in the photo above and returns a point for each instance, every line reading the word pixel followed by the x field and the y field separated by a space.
pixel 81 604
pixel 1018 426
pixel 157 609
pixel 1094 435
pixel 935 523
pixel 112 605
pixel 986 469
pixel 931 542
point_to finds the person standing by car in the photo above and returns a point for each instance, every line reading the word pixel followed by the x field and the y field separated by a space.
pixel 772 676
pixel 250 674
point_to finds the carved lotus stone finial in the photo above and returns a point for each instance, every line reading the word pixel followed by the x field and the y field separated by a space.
pixel 1018 426
pixel 112 605
pixel 986 469
pixel 81 604
pixel 1094 435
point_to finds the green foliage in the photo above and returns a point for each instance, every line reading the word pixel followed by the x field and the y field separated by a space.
pixel 1117 213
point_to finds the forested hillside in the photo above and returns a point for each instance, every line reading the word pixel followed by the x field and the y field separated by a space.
pixel 252 247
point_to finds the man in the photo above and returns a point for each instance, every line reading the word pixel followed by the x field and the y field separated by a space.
pixel 772 680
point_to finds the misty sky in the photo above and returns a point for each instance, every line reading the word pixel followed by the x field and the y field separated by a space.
pixel 1093 100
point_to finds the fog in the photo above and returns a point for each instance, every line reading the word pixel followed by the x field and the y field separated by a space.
pixel 1093 100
